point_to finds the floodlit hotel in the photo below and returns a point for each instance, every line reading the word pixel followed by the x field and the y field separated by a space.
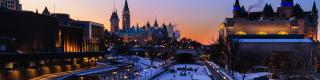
pixel 289 29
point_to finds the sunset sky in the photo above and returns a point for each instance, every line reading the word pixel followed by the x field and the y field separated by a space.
pixel 196 19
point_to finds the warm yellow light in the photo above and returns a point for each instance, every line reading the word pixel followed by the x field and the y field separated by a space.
pixel 241 33
pixel 262 33
pixel 222 26
pixel 86 59
pixel 114 73
pixel 283 33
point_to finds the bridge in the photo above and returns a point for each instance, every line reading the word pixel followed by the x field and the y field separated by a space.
pixel 177 51
pixel 189 51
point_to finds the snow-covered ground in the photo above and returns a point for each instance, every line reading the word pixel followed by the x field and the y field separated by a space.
pixel 147 71
pixel 251 76
pixel 238 76
pixel 200 74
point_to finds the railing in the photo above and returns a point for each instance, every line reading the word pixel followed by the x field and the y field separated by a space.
pixel 217 69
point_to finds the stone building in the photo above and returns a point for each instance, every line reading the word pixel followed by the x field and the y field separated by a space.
pixel 11 4
pixel 139 34
pixel 289 29
pixel 290 19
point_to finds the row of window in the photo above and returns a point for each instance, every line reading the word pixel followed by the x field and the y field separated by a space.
pixel 262 33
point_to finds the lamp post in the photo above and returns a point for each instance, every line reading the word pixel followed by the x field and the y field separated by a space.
pixel 151 70
pixel 137 74
pixel 145 74
pixel 114 75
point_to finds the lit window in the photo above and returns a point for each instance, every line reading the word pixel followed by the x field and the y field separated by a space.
pixel 241 33
pixel 283 33
pixel 262 33
pixel 2 47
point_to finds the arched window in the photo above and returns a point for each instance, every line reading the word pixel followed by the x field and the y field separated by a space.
pixel 262 33
pixel 241 33
pixel 283 33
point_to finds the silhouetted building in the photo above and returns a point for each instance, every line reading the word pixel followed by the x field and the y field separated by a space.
pixel 11 4
pixel 93 35
pixel 140 34
pixel 70 38
pixel 29 32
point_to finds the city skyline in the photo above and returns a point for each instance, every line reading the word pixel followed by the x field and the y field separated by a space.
pixel 198 20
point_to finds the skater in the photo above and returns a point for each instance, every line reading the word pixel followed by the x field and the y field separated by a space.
pixel 191 76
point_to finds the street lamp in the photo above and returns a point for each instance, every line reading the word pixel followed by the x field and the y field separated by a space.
pixel 114 75
pixel 151 70
pixel 137 74
pixel 125 77
pixel 145 74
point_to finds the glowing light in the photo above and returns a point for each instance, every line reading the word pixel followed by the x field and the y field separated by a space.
pixel 262 33
pixel 241 33
pixel 86 59
pixel 114 73
pixel 283 33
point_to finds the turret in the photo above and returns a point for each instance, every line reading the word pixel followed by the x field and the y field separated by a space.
pixel 114 22
pixel 138 25
pixel 243 13
pixel 148 24
pixel 314 9
pixel 46 11
pixel 298 11
pixel 314 13
pixel 156 23
pixel 268 11
pixel 37 11
pixel 236 9
pixel 126 17
pixel 286 9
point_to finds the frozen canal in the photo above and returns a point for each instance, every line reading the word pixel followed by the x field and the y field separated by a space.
pixel 186 72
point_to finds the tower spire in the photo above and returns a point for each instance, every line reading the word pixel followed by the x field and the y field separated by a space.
pixel 126 20
pixel 148 23
pixel 156 23
pixel 46 11
pixel 314 8
pixel 114 5
pixel 236 6
pixel 236 9
pixel 138 24
pixel 114 20
pixel 126 7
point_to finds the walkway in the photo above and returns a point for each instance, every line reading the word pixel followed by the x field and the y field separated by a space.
pixel 197 73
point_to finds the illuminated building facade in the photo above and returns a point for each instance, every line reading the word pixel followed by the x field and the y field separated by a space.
pixel 11 4
pixel 93 35
pixel 140 34
pixel 69 37
pixel 288 30
pixel 289 19
pixel 77 36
